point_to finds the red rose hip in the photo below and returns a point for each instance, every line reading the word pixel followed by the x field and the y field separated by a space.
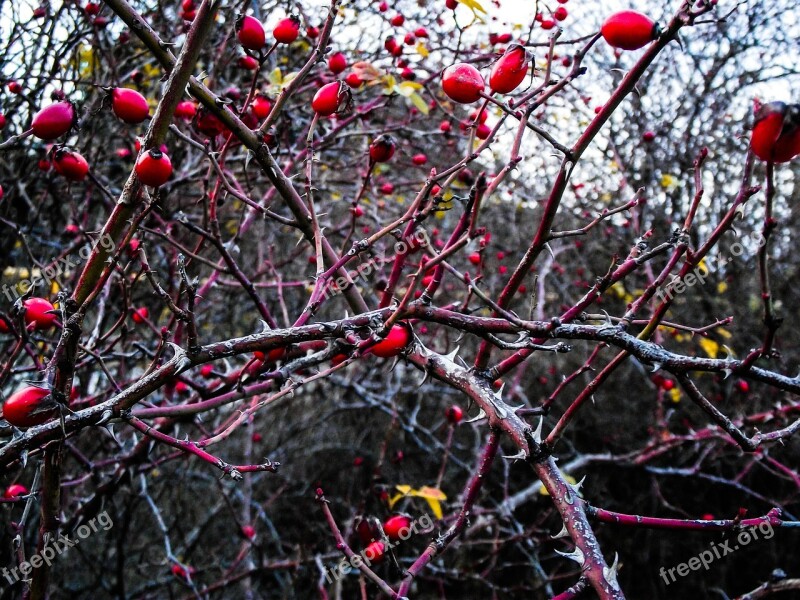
pixel 629 30
pixel 53 121
pixel 251 33
pixel 509 71
pixel 129 105
pixel 28 408
pixel 153 168
pixel 462 83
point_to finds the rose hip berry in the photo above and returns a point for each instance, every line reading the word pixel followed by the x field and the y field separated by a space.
pixel 287 30
pixel 509 71
pixel 39 313
pixel 53 121
pixel 397 527
pixel 337 63
pixel 394 343
pixel 153 168
pixel 454 414
pixel 70 164
pixel 330 98
pixel 382 148
pixel 251 33
pixel 462 83
pixel 629 30
pixel 28 408
pixel 129 105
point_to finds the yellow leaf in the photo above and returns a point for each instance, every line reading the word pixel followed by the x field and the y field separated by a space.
pixel 474 5
pixel 436 508
pixel 275 77
pixel 722 287
pixel 417 101
pixel 724 333
pixel 422 50
pixel 675 395
pixel 710 347
pixel 431 492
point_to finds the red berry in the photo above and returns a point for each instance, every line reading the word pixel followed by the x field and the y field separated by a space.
pixel 353 80
pixel 397 527
pixel 2 120
pixel 479 116
pixel 15 490
pixel 91 8
pixel 251 33
pixel 207 371
pixel 504 38
pixel 462 83
pixel 560 13
pixel 510 70
pixel 140 315
pixel 451 4
pixel 419 159
pixel 248 63
pixel 397 20
pixel 387 188
pixel 648 136
pixel 475 258
pixel 743 386
pixel 445 126
pixel 357 211
pixel 337 63
pixel 667 385
pixel 287 30
pixel 153 168
pixel 53 121
pixel 382 148
pixel 39 313
pixel 483 131
pixel 629 30
pixel 421 32
pixel 186 110
pixel 26 407
pixel 249 531
pixel 330 98
pixel 129 105
pixel 397 339
pixel 14 87
pixel 776 133
pixel 261 106
pixel 548 24
pixel 454 414
pixel 182 573
pixel 374 553
pixel 70 164
pixel 181 388
pixel 408 75
pixel 312 32
pixel 383 6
